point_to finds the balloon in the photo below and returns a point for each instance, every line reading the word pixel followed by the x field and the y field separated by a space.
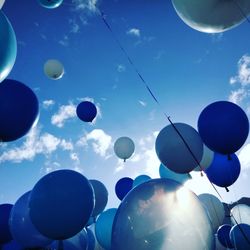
pixel 240 214
pixel 159 214
pixel 91 239
pixel 218 245
pixel 173 152
pixel 1 3
pixel 207 158
pixel 91 221
pixel 8 46
pixel 86 111
pixel 223 127
pixel 103 228
pixel 12 245
pixel 101 196
pixel 50 4
pixel 223 235
pixel 214 208
pixel 140 179
pixel 18 105
pixel 53 69
pixel 240 236
pixel 212 16
pixel 61 203
pixel 167 173
pixel 223 172
pixel 123 186
pixel 124 147
pixel 5 235
pixel 21 227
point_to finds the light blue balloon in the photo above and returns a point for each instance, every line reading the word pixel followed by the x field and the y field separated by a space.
pixel 240 236
pixel 167 173
pixel 22 229
pixel 103 228
pixel 50 4
pixel 140 179
pixel 8 46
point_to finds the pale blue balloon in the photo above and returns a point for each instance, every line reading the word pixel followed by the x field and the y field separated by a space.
pixel 140 179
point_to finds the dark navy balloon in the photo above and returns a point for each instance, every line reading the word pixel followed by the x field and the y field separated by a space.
pixel 223 171
pixel 223 235
pixel 18 110
pixel 223 127
pixel 86 111
pixel 5 235
pixel 50 4
pixel 123 186
pixel 240 236
pixel 61 204
pixel 101 197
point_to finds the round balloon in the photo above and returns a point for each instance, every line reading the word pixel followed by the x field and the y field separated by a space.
pixel 223 235
pixel 21 227
pixel 214 208
pixel 240 236
pixel 5 235
pixel 123 186
pixel 212 16
pixel 86 111
pixel 140 179
pixel 101 197
pixel 240 214
pixel 173 141
pixel 61 204
pixel 223 172
pixel 8 46
pixel 167 173
pixel 103 228
pixel 50 4
pixel 18 105
pixel 207 158
pixel 124 147
pixel 1 3
pixel 223 127
pixel 53 69
pixel 157 214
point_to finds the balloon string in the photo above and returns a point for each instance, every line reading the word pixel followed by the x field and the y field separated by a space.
pixel 241 11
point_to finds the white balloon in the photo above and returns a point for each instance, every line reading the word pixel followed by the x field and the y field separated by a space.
pixel 124 147
pixel 53 69
pixel 214 208
pixel 212 16
pixel 1 3
pixel 240 213
pixel 207 158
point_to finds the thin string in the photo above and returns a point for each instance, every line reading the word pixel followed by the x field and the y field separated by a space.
pixel 241 11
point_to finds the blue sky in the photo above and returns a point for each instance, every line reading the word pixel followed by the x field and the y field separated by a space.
pixel 186 69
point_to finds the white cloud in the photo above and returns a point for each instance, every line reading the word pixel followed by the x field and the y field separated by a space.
pixel 134 32
pixel 85 5
pixel 121 68
pixel 144 104
pixel 48 103
pixel 65 41
pixel 75 27
pixel 244 156
pixel 100 142
pixel 65 113
pixel 238 95
pixel 66 145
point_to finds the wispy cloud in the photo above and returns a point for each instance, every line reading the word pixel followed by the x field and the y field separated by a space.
pixel 48 103
pixel 244 157
pixel 85 5
pixel 144 104
pixel 134 32
pixel 64 41
pixel 237 96
pixel 121 68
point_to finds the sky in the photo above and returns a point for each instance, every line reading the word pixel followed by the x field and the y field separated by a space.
pixel 186 69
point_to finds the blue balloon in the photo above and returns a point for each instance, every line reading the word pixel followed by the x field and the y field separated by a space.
pixel 167 173
pixel 101 197
pixel 86 111
pixel 5 235
pixel 223 127
pixel 91 239
pixel 223 235
pixel 12 245
pixel 140 179
pixel 61 204
pixel 223 171
pixel 8 47
pixel 123 186
pixel 240 236
pixel 50 4
pixel 91 221
pixel 21 227
pixel 18 110
pixel 103 227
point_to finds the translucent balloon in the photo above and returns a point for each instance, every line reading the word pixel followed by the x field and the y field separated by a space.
pixel 53 69
pixel 223 126
pixel 124 147
pixel 223 235
pixel 5 235
pixel 173 152
pixel 212 16
pixel 50 4
pixel 103 228
pixel 207 158
pixel 214 208
pixel 86 111
pixel 123 186
pixel 240 236
pixel 21 227
pixel 240 213
pixel 8 46
pixel 159 214
pixel 167 173
pixel 1 3
pixel 61 203
pixel 101 197
pixel 140 179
